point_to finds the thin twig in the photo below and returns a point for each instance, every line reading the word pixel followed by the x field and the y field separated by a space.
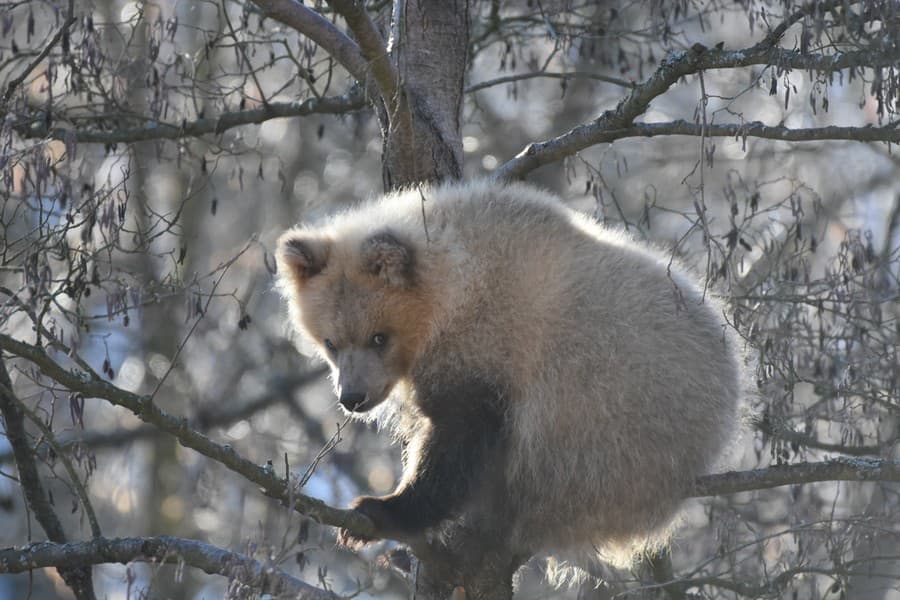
pixel 321 31
pixel 16 82
pixel 80 490
pixel 77 578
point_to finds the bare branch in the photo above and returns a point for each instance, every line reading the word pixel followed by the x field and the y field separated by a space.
pixel 551 150
pixel 155 130
pixel 886 133
pixel 775 35
pixel 837 469
pixel 598 132
pixel 262 576
pixel 320 30
pixel 783 58
pixel 673 68
pixel 547 75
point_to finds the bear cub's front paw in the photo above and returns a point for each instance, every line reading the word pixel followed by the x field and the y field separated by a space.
pixel 376 510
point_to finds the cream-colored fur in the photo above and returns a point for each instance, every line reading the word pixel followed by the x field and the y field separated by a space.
pixel 622 381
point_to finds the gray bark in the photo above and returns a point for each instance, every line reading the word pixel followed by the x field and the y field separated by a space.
pixel 421 125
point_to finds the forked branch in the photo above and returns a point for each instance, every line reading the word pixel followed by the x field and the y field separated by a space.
pixel 670 71
pixel 321 31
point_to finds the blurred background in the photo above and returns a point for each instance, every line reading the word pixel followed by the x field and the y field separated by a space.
pixel 146 247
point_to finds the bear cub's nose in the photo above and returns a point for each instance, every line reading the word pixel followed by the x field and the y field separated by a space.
pixel 352 400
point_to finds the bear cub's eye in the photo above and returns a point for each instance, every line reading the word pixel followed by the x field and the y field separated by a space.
pixel 330 346
pixel 379 339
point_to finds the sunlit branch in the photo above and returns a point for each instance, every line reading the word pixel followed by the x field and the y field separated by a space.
pixel 837 469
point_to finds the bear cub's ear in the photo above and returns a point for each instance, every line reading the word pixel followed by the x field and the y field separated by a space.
pixel 388 258
pixel 301 255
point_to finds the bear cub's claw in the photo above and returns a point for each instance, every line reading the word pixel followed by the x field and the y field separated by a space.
pixel 352 541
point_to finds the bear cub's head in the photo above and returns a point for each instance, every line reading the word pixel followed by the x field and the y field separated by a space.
pixel 362 304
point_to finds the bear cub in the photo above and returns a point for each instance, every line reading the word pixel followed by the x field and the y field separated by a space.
pixel 546 375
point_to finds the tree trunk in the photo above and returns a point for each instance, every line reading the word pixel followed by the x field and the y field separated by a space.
pixel 428 47
pixel 421 126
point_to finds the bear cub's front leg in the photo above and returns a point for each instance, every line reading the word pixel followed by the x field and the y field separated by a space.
pixel 446 460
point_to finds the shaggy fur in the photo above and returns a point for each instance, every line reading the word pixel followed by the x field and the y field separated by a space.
pixel 544 372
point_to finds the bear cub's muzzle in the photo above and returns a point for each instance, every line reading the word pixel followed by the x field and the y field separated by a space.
pixel 353 401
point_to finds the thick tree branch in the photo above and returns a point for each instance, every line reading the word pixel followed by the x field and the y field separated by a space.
pixel 673 68
pixel 154 130
pixel 77 578
pixel 261 576
pixel 321 31
pixel 91 385
pixel 783 58
pixel 836 469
